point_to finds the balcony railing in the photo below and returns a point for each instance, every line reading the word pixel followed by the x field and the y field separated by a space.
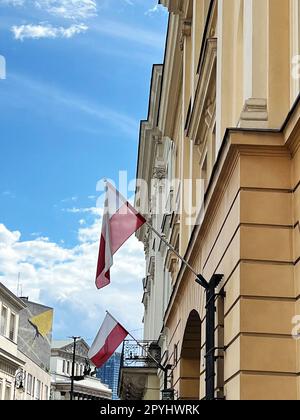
pixel 135 356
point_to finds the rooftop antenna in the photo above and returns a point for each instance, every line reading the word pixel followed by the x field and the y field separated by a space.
pixel 18 285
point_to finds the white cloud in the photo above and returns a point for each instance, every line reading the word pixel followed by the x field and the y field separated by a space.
pixel 69 9
pixel 14 3
pixel 43 30
pixel 131 33
pixel 8 194
pixel 156 9
pixel 68 199
pixel 7 237
pixel 96 211
pixel 66 9
pixel 66 275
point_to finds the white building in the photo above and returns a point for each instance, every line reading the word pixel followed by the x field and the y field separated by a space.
pixel 89 388
pixel 34 347
pixel 25 338
pixel 35 381
pixel 155 198
pixel 10 361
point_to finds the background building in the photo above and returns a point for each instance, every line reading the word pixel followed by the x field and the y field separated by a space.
pixel 90 388
pixel 139 376
pixel 25 342
pixel 222 168
pixel 109 374
pixel 34 347
pixel 10 360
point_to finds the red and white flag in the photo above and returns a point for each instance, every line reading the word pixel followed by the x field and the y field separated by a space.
pixel 109 337
pixel 120 221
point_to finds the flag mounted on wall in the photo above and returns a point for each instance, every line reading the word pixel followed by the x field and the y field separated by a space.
pixel 120 221
pixel 109 337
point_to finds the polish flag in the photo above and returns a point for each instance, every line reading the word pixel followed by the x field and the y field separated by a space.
pixel 120 221
pixel 109 337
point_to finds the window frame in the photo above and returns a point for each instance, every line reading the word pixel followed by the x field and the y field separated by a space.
pixel 7 387
pixel 14 317
pixel 3 332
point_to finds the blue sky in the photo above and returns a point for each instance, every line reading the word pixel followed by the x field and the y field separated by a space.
pixel 77 84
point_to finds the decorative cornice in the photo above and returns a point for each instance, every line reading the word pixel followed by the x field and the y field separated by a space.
pixel 159 173
pixel 254 114
pixel 146 245
pixel 186 28
pixel 151 268
pixel 174 6
pixel 172 78
pixel 186 31
pixel 15 301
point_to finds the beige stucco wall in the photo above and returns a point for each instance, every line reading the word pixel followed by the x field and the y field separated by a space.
pixel 249 225
pixel 252 238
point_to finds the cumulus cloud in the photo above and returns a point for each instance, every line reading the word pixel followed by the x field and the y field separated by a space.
pixel 156 9
pixel 77 10
pixel 14 3
pixel 96 211
pixel 46 31
pixel 69 9
pixel 53 273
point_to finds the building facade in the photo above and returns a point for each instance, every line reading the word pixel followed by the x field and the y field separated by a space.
pixel 10 360
pixel 109 374
pixel 88 387
pixel 219 177
pixel 34 347
pixel 25 338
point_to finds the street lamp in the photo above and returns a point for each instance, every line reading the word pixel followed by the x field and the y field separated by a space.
pixel 75 339
pixel 19 381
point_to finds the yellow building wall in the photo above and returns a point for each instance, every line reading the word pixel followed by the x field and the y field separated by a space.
pixel 251 235
pixel 250 229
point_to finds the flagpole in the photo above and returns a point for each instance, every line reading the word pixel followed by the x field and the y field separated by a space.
pixel 201 279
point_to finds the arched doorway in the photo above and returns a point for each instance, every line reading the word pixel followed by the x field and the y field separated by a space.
pixel 189 388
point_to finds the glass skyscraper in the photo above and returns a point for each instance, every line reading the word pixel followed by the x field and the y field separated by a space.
pixel 109 374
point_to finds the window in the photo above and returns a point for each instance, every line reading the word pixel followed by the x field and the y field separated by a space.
pixel 3 320
pixel 204 173
pixel 175 360
pixel 33 387
pixel 46 392
pixel 29 384
pixel 37 394
pixel 68 368
pixel 64 366
pixel 7 395
pixel 213 145
pixel 12 326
